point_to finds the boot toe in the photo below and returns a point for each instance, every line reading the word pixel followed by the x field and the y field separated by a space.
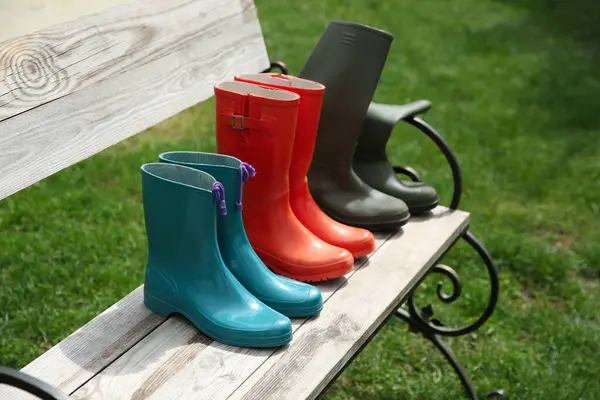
pixel 420 197
pixel 359 242
pixel 363 243
pixel 340 263
pixel 272 330
pixel 334 263
pixel 376 211
pixel 309 304
pixel 295 299
pixel 247 324
pixel 277 333
pixel 282 328
pixel 321 263
pixel 384 212
pixel 312 304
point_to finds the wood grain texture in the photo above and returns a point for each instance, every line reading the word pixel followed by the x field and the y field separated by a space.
pixel 177 351
pixel 59 60
pixel 141 371
pixel 224 40
pixel 96 344
pixel 354 306
pixel 27 16
pixel 322 346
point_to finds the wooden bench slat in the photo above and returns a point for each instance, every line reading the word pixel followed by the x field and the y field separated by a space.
pixel 34 15
pixel 143 370
pixel 322 347
pixel 55 61
pixel 182 365
pixel 79 357
pixel 57 134
pixel 72 90
pixel 92 348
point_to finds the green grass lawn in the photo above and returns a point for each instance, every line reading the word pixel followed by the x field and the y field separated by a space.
pixel 516 92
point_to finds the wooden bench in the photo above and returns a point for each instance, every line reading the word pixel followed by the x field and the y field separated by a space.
pixel 76 88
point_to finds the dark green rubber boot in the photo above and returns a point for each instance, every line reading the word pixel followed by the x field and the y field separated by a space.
pixel 348 60
pixel 371 162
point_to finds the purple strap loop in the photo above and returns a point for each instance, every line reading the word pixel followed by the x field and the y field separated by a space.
pixel 219 192
pixel 246 171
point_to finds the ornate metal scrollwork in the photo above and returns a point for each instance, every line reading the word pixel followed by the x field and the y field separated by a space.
pixel 454 278
pixel 425 315
pixel 29 384
pixel 280 65
pixel 423 320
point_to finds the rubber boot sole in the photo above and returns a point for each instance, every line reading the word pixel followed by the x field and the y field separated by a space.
pixel 166 309
pixel 373 227
pixel 278 267
pixel 311 278
pixel 366 252
pixel 300 312
pixel 421 209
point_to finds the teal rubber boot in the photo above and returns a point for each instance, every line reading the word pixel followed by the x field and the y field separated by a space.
pixel 186 274
pixel 289 297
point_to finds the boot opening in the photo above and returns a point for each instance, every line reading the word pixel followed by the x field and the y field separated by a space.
pixel 248 88
pixel 198 158
pixel 282 80
pixel 356 25
pixel 180 175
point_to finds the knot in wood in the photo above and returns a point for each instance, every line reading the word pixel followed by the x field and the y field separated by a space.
pixel 28 70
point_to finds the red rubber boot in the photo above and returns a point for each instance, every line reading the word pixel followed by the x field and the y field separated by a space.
pixel 256 125
pixel 357 241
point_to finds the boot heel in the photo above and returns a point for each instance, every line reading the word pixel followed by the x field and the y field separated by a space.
pixel 158 306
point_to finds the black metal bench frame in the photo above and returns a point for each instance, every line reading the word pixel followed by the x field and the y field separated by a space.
pixel 422 320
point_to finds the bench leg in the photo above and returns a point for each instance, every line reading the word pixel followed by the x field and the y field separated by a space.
pixel 444 349
pixel 422 320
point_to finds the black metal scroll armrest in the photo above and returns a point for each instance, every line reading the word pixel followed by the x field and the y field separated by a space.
pixel 380 121
pixel 29 384
pixel 280 65
pixel 391 114
pixel 386 116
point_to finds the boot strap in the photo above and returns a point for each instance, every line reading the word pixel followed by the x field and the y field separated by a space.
pixel 240 122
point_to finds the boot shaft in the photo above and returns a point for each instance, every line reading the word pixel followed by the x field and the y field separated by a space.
pixel 257 125
pixel 372 142
pixel 348 60
pixel 179 214
pixel 309 112
pixel 231 172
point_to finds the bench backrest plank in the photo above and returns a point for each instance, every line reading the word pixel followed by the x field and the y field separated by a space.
pixel 26 16
pixel 113 74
